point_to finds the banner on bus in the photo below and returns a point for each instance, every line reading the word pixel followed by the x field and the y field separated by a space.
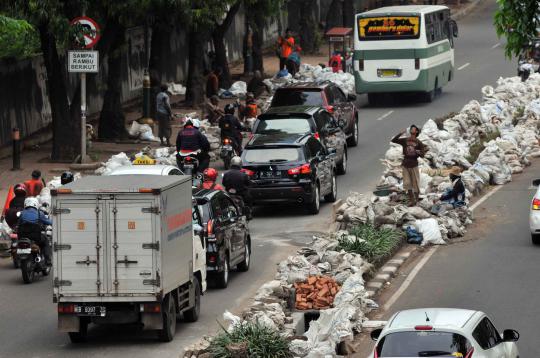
pixel 388 27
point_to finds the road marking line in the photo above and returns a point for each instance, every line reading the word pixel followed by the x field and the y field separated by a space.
pixel 385 115
pixel 409 279
pixel 496 45
pixel 462 67
pixel 485 197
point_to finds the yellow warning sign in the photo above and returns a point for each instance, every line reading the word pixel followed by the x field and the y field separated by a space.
pixel 81 225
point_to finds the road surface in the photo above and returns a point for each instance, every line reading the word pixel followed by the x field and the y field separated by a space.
pixel 28 324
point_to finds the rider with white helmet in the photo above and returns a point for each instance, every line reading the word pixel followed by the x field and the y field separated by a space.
pixel 31 223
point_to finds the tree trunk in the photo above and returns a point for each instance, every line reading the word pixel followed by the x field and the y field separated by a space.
pixel 218 38
pixel 334 16
pixel 66 130
pixel 112 120
pixel 196 81
pixel 348 13
pixel 308 28
pixel 160 46
pixel 257 25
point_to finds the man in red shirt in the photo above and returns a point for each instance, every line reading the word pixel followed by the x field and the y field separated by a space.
pixel 335 62
pixel 209 180
pixel 286 45
pixel 34 185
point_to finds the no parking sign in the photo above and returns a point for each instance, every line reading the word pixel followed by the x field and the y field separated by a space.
pixel 90 37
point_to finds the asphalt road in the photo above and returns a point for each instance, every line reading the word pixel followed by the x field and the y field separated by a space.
pixel 494 270
pixel 28 318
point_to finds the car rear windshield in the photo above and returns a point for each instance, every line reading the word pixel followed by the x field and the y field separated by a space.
pixel 423 344
pixel 283 125
pixel 272 155
pixel 297 97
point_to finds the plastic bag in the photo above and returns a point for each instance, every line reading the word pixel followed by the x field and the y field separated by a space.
pixel 146 133
pixel 429 228
pixel 239 88
pixel 135 129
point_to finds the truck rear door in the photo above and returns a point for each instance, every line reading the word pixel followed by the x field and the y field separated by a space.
pixel 79 247
pixel 133 231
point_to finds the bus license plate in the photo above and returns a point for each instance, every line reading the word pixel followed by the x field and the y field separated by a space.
pixel 388 73
pixel 90 310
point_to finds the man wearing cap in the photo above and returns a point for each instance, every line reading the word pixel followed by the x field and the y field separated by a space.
pixel 412 150
pixel 456 194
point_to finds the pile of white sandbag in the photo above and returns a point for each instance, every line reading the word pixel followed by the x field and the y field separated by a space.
pixel 308 73
pixel 142 132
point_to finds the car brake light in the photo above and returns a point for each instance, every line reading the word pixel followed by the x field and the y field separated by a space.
pixel 210 227
pixel 361 65
pixel 536 204
pixel 469 353
pixel 423 328
pixel 416 63
pixel 330 109
pixel 317 135
pixel 303 169
pixel 66 308
pixel 249 173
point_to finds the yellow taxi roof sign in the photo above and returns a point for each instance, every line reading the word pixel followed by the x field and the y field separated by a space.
pixel 144 160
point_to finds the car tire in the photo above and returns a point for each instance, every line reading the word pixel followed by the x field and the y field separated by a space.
pixel 332 197
pixel 192 315
pixel 535 238
pixel 342 167
pixel 168 316
pixel 352 141
pixel 244 265
pixel 222 278
pixel 315 205
pixel 82 335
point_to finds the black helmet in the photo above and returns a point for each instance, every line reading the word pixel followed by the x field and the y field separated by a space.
pixel 36 174
pixel 229 109
pixel 66 177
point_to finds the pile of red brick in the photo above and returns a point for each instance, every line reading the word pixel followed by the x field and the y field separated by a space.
pixel 317 292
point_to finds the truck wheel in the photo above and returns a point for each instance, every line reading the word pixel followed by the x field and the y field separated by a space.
pixel 192 315
pixel 82 335
pixel 222 278
pixel 168 314
pixel 27 269
pixel 244 265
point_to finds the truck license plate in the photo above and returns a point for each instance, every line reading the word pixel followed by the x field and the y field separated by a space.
pixel 90 310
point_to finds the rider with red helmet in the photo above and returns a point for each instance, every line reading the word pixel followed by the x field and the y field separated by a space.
pixel 209 180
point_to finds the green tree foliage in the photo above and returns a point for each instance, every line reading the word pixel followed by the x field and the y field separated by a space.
pixel 18 39
pixel 518 22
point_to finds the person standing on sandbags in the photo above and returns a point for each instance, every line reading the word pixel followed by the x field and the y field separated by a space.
pixel 412 149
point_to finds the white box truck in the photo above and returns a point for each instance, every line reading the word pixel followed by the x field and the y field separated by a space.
pixel 125 251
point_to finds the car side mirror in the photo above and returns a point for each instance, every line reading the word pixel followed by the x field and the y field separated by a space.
pixel 455 31
pixel 510 335
pixel 351 97
pixel 375 334
pixel 536 182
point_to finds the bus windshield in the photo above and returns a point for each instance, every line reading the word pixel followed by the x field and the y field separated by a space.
pixel 388 28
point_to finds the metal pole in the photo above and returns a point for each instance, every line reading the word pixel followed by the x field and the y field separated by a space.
pixel 83 117
pixel 16 136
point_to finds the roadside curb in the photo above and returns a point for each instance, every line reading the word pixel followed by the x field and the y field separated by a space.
pixel 465 10
pixel 388 271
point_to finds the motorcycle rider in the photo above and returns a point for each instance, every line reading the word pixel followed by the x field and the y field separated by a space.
pixel 236 183
pixel 30 226
pixel 190 139
pixel 16 205
pixel 209 180
pixel 35 185
pixel 66 178
pixel 231 128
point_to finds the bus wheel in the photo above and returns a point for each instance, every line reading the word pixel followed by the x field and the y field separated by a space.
pixel 374 99
pixel 429 96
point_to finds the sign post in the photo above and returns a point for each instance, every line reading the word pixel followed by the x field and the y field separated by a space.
pixel 84 62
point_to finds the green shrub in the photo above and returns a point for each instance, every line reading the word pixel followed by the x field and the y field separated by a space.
pixel 371 243
pixel 256 339
pixel 478 147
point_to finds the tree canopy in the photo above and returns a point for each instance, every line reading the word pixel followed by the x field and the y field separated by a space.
pixel 518 21
pixel 18 39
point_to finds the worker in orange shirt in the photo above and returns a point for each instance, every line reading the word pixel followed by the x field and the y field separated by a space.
pixel 335 62
pixel 34 185
pixel 286 45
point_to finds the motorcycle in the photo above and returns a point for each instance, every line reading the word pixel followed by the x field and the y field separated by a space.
pixel 227 152
pixel 31 259
pixel 529 60
pixel 188 163
pixel 241 204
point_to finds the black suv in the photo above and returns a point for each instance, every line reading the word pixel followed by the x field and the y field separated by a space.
pixel 306 120
pixel 326 95
pixel 287 168
pixel 228 242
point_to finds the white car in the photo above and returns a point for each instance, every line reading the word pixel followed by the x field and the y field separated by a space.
pixel 534 216
pixel 157 169
pixel 443 332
